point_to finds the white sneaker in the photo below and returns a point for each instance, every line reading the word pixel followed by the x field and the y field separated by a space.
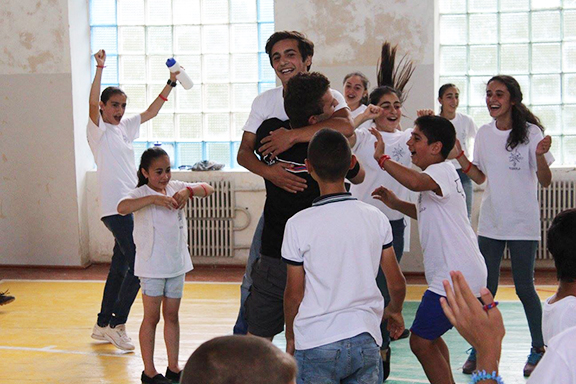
pixel 118 337
pixel 98 333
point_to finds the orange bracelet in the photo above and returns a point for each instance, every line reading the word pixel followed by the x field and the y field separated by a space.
pixel 460 155
pixel 467 168
pixel 382 160
pixel 163 98
pixel 100 66
pixel 191 191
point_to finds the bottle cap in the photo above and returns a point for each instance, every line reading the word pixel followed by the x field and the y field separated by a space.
pixel 170 62
pixel 158 144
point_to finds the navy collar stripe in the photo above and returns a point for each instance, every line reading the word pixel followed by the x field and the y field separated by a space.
pixel 332 198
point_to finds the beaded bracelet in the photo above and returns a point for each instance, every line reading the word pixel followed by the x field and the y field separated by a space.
pixel 479 376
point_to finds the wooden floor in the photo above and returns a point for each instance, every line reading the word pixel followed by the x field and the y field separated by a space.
pixel 45 332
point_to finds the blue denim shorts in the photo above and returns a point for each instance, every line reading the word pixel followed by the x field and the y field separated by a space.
pixel 430 322
pixel 171 287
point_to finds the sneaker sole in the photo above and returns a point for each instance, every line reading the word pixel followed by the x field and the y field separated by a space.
pixel 117 345
pixel 95 336
pixel 8 301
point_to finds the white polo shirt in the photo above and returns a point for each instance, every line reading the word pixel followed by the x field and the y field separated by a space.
pixel 339 242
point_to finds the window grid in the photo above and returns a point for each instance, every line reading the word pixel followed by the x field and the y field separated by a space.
pixel 549 47
pixel 221 45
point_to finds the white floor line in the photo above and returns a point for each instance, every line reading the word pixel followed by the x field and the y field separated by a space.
pixel 103 281
pixel 50 349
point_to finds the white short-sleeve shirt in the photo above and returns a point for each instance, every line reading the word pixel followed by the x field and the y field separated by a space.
pixel 510 209
pixel 112 148
pixel 447 238
pixel 465 132
pixel 270 104
pixel 375 177
pixel 558 316
pixel 339 242
pixel 557 365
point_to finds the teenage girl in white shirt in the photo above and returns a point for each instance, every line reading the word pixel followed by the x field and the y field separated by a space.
pixel 356 95
pixel 512 154
pixel 449 99
pixel 162 257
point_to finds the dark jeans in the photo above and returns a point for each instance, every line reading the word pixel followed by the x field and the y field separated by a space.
pixel 121 285
pixel 398 245
pixel 523 255
pixel 468 190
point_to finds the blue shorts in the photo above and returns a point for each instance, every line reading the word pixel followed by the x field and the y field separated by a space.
pixel 430 322
pixel 171 287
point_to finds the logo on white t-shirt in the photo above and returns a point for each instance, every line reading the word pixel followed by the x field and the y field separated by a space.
pixel 459 188
pixel 398 153
pixel 515 158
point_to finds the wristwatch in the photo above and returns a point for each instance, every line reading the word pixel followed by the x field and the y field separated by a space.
pixel 171 83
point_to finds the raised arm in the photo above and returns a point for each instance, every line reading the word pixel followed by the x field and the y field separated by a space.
pixel 397 287
pixel 94 100
pixel 370 113
pixel 128 206
pixel 393 202
pixel 157 104
pixel 468 167
pixel 543 170
pixel 276 173
pixel 293 295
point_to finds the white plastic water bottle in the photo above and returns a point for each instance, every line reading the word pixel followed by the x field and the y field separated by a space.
pixel 182 77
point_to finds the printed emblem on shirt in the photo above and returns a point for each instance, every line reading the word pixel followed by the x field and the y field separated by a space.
pixel 459 188
pixel 398 153
pixel 515 158
pixel 420 207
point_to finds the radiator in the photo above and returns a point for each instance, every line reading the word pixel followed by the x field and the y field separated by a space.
pixel 211 222
pixel 560 195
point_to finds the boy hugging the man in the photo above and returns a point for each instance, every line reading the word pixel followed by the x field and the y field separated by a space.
pixel 447 239
pixel 333 307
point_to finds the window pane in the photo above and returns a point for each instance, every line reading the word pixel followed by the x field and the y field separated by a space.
pixel 453 60
pixel 219 152
pixel 104 38
pixel 483 60
pixel 546 58
pixel 264 32
pixel 462 84
pixel 569 123
pixel 242 11
pixel 569 4
pixel 514 59
pixel 189 153
pixel 217 126
pixel 189 100
pixel 187 39
pixel 482 6
pixel 239 119
pixel 514 27
pixel 478 90
pixel 525 87
pixel 216 68
pixel 153 92
pixel 550 116
pixel 546 89
pixel 545 26
pixel 544 4
pixel 244 38
pixel 569 57
pixel 452 6
pixel 186 11
pixel 131 40
pixel 245 68
pixel 263 87
pixel 130 12
pixel 157 70
pixel 569 150
pixel 569 25
pixel 514 5
pixel 162 127
pixel 453 29
pixel 139 148
pixel 136 97
pixel 214 11
pixel 102 12
pixel 132 69
pixel 110 73
pixel 266 72
pixel 266 11
pixel 480 115
pixel 243 95
pixel 569 88
pixel 159 40
pixel 216 97
pixel 215 39
pixel 483 28
pixel 189 126
pixel 159 12
pixel 193 66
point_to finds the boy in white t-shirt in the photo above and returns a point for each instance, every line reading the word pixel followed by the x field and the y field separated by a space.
pixel 332 305
pixel 559 312
pixel 447 239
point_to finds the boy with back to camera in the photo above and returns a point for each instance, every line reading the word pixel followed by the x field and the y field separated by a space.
pixel 447 239
pixel 333 307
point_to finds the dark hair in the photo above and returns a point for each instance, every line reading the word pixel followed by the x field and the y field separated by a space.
pixel 438 128
pixel 329 154
pixel 148 156
pixel 378 92
pixel 239 359
pixel 305 46
pixel 365 83
pixel 109 92
pixel 561 243
pixel 443 90
pixel 520 113
pixel 303 97
pixel 398 77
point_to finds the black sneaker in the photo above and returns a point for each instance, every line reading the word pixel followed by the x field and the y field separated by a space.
pixel 158 379
pixel 173 376
pixel 386 362
pixel 5 298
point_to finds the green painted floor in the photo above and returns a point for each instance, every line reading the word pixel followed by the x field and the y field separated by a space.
pixel 406 368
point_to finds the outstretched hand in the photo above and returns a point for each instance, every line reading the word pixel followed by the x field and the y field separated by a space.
pixel 379 146
pixel 100 57
pixel 424 112
pixel 471 320
pixel 386 196
pixel 544 146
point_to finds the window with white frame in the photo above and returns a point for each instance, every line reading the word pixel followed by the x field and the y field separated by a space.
pixel 220 43
pixel 532 40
